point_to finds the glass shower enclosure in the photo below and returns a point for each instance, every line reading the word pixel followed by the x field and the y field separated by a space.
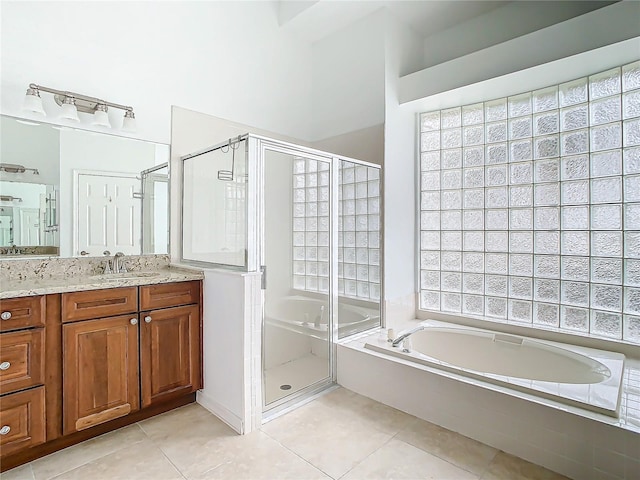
pixel 310 221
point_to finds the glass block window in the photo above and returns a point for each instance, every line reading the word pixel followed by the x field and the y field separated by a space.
pixel 530 207
pixel 358 228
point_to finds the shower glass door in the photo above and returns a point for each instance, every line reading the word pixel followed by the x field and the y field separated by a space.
pixel 296 254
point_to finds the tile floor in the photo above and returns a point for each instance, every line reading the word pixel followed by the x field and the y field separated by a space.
pixel 340 435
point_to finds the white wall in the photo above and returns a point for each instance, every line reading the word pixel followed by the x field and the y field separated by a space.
pixel 577 35
pixel 226 58
pixel 348 79
pixel 231 363
pixel 500 25
pixel 403 51
pixel 365 144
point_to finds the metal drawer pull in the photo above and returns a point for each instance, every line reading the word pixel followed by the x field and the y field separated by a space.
pixel 133 321
pixel 147 319
pixel 5 429
pixel 5 315
pixel 5 365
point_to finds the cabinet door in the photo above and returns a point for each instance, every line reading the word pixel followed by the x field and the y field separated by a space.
pixel 169 353
pixel 100 371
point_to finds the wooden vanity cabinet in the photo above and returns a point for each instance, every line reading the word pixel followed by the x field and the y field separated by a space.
pixel 112 363
pixel 79 364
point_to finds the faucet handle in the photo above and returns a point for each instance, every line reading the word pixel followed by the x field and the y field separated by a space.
pixel 107 267
pixel 106 253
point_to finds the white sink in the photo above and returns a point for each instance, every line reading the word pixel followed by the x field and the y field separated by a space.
pixel 114 277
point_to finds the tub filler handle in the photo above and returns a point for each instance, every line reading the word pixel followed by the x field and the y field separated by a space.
pixel 499 337
pixel 400 338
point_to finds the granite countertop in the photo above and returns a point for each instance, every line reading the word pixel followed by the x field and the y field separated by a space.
pixel 59 284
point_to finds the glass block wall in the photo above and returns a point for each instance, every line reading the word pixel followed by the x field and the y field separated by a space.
pixel 358 229
pixel 530 207
pixel 311 199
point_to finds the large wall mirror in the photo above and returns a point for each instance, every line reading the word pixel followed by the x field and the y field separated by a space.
pixel 69 192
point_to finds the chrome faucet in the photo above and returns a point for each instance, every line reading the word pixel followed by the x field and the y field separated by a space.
pixel 118 266
pixel 115 265
pixel 400 338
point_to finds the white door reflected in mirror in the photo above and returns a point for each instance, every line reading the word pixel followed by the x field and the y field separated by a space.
pixel 108 212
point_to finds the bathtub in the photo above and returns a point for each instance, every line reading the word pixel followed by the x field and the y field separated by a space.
pixel 310 315
pixel 573 375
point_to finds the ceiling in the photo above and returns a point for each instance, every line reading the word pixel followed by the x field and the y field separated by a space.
pixel 314 20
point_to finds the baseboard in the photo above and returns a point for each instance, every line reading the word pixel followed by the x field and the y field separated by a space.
pixel 223 413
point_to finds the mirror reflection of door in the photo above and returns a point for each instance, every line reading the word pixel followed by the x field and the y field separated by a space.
pixel 6 227
pixel 30 226
pixel 108 213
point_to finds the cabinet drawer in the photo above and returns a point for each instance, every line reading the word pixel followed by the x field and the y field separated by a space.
pixel 21 312
pixel 169 295
pixel 21 360
pixel 22 423
pixel 99 303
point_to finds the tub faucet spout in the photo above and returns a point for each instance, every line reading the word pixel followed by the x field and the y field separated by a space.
pixel 400 338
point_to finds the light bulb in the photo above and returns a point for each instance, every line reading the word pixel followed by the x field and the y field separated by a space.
pixel 33 102
pixel 100 116
pixel 129 122
pixel 68 110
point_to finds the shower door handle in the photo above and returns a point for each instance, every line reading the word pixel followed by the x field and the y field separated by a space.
pixel 263 279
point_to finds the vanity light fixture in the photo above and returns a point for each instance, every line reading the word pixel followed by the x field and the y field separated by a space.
pixel 9 198
pixel 72 103
pixel 15 168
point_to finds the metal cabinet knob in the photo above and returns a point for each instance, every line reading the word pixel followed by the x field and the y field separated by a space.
pixel 5 315
pixel 147 319
pixel 5 429
pixel 5 365
pixel 133 321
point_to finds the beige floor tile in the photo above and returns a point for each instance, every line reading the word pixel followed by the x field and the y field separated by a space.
pixel 258 457
pixel 401 461
pixel 508 467
pixel 330 441
pixel 85 452
pixel 142 462
pixel 193 439
pixel 450 446
pixel 375 414
pixel 176 422
pixel 23 472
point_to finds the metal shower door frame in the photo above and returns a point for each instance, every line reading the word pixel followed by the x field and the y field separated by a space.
pixel 258 146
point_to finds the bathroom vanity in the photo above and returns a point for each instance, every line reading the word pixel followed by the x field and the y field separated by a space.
pixel 80 360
